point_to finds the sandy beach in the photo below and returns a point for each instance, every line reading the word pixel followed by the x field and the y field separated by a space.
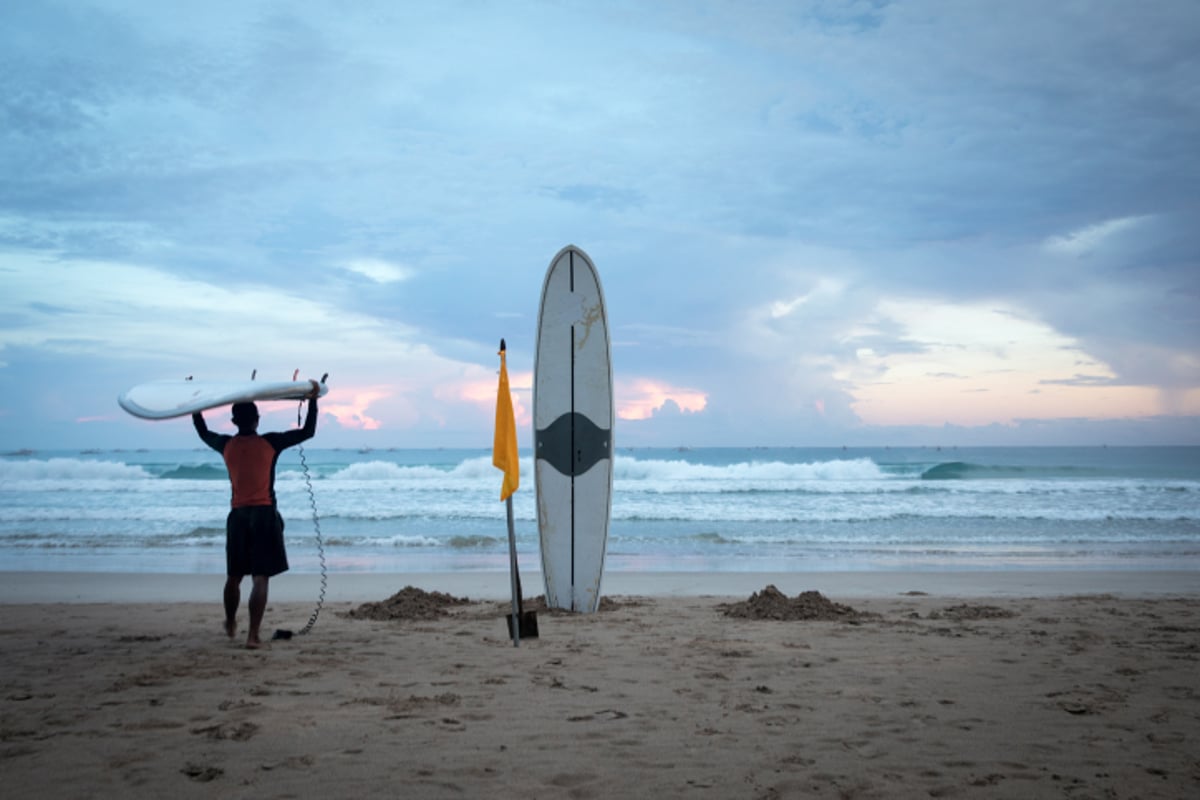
pixel 683 685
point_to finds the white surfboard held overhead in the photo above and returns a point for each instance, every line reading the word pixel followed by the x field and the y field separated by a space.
pixel 572 428
pixel 168 399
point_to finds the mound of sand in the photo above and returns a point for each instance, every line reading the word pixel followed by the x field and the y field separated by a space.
pixel 408 603
pixel 771 603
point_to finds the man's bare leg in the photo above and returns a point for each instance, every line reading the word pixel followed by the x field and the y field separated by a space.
pixel 258 606
pixel 233 598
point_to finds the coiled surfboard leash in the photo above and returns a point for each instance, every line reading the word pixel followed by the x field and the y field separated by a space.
pixel 312 502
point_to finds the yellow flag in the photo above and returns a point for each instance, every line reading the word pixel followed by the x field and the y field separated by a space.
pixel 504 448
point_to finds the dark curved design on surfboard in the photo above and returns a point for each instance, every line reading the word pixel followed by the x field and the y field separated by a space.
pixel 572 444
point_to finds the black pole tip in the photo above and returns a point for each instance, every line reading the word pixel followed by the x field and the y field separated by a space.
pixel 502 348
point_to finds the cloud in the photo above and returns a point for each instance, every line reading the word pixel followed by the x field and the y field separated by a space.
pixel 809 215
pixel 642 398
pixel 349 408
pixel 123 310
pixel 143 316
pixel 1025 368
pixel 824 291
pixel 474 390
pixel 378 270
pixel 1081 380
pixel 1087 240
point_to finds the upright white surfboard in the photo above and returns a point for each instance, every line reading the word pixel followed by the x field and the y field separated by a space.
pixel 572 431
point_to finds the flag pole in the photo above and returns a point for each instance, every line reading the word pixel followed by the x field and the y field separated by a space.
pixel 516 580
pixel 506 433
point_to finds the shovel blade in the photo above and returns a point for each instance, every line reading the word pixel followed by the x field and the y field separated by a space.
pixel 527 624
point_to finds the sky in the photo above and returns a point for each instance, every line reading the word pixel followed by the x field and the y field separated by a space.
pixel 855 223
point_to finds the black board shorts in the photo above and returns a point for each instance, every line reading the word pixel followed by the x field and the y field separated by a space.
pixel 254 542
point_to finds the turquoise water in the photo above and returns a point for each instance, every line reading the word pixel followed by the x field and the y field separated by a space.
pixel 723 509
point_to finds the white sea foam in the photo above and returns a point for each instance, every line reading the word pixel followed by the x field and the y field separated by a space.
pixel 727 508
pixel 64 470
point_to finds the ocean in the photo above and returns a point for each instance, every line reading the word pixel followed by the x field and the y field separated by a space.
pixel 718 509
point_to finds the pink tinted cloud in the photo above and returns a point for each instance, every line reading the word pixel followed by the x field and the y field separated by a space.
pixel 482 394
pixel 640 398
pixel 349 407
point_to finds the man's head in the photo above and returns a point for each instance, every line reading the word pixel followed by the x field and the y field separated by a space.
pixel 245 416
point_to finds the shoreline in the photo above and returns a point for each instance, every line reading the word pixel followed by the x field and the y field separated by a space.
pixel 22 588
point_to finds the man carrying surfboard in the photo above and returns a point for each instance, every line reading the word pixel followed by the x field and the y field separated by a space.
pixel 254 529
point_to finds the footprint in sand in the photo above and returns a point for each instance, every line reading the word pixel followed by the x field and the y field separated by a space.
pixel 201 773
pixel 238 733
pixel 608 713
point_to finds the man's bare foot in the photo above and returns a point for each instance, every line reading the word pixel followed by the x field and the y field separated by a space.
pixel 254 643
pixel 230 627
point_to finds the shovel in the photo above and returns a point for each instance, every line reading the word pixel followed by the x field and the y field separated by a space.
pixel 522 624
pixel 527 626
